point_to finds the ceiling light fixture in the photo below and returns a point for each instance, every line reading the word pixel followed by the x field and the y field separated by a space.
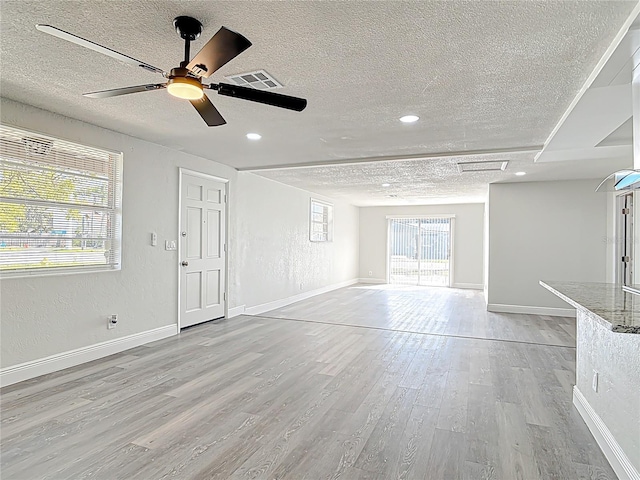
pixel 185 87
pixel 409 118
pixel 519 174
pixel 254 136
pixel 385 185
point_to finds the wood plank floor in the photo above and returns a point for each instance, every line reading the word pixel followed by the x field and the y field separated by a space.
pixel 435 310
pixel 275 398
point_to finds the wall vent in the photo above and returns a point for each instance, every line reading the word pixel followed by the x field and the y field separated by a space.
pixel 481 166
pixel 260 80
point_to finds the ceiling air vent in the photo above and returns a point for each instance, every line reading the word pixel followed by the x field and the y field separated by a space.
pixel 482 166
pixel 260 80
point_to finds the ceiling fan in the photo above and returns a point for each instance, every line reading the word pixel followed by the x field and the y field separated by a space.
pixel 185 81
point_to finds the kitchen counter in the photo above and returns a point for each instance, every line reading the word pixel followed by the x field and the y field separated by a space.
pixel 607 389
pixel 610 306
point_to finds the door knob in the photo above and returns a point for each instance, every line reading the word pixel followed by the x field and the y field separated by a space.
pixel 185 263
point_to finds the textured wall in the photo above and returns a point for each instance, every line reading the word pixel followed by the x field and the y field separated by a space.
pixel 544 231
pixel 43 316
pixel 274 254
pixel 467 247
pixel 615 357
pixel 269 249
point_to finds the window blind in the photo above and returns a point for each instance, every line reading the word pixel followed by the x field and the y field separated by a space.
pixel 321 221
pixel 60 204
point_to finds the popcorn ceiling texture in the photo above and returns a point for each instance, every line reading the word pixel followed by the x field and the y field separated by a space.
pixel 429 181
pixel 481 75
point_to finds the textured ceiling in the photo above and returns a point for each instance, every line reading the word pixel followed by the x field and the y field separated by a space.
pixel 430 181
pixel 480 74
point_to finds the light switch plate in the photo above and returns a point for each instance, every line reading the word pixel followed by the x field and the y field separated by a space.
pixel 170 245
pixel 154 239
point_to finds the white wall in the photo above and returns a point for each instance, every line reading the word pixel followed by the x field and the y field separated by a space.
pixel 467 244
pixel 43 316
pixel 269 251
pixel 544 231
pixel 274 255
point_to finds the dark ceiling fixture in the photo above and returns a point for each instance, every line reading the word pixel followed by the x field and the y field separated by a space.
pixel 185 81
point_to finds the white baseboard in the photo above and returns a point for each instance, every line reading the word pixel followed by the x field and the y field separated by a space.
pixel 71 358
pixel 372 280
pixel 526 309
pixel 265 307
pixel 470 286
pixel 235 311
pixel 608 444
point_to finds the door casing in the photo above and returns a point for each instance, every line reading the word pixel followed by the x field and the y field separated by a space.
pixel 183 171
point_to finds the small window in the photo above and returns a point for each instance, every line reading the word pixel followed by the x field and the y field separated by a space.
pixel 321 221
pixel 60 205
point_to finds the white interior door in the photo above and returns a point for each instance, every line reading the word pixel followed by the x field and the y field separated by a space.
pixel 202 250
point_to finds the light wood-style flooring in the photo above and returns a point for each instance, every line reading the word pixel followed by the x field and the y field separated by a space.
pixel 361 383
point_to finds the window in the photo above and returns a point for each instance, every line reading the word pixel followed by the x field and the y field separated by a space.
pixel 60 205
pixel 321 221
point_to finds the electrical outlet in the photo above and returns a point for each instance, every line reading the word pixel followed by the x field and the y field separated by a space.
pixel 594 383
pixel 170 245
pixel 112 321
pixel 370 273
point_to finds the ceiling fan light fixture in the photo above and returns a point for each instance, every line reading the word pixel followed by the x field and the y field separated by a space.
pixel 185 87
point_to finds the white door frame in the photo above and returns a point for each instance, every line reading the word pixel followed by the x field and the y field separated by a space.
pixel 452 224
pixel 185 171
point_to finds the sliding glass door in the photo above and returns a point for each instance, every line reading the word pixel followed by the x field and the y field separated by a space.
pixel 419 251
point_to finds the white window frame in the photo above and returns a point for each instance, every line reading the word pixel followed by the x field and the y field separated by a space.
pixel 328 221
pixel 115 209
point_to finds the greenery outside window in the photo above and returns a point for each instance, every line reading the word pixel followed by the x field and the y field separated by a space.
pixel 60 205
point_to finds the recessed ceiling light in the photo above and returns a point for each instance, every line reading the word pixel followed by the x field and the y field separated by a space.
pixel 254 136
pixel 386 185
pixel 409 118
pixel 520 173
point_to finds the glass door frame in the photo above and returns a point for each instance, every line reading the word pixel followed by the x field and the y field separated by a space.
pixel 452 223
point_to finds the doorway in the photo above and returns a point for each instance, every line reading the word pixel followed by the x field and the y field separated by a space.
pixel 624 245
pixel 420 251
pixel 202 252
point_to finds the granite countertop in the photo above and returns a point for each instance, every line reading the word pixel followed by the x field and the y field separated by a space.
pixel 613 308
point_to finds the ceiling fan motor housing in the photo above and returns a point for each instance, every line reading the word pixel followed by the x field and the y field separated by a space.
pixel 180 72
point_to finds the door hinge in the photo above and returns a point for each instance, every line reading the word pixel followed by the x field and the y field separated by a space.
pixel 225 198
pixel 224 247
pixel 626 259
pixel 625 211
pixel 224 296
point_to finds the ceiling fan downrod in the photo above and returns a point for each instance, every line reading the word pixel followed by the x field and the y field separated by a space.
pixel 189 29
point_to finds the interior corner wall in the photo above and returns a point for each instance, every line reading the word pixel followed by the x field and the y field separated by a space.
pixel 274 257
pixel 544 231
pixel 47 315
pixel 485 248
pixel 467 242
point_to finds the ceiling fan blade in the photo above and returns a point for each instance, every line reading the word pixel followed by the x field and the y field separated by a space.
pixel 261 96
pixel 208 112
pixel 222 47
pixel 69 37
pixel 116 92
